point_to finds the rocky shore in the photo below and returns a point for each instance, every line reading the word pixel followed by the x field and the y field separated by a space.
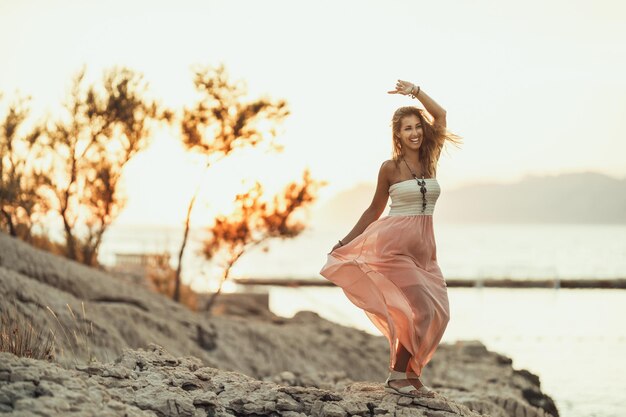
pixel 131 352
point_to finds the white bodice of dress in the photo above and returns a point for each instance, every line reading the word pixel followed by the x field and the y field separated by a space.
pixel 406 198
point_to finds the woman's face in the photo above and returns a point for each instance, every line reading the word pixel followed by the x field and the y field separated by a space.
pixel 411 133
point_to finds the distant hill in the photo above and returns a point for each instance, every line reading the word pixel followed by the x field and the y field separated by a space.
pixel 567 198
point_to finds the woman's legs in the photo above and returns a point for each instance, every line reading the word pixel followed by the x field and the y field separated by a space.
pixel 402 359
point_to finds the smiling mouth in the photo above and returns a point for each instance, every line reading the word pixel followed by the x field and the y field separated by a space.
pixel 414 140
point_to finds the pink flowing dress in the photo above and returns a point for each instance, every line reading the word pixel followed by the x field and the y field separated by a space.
pixel 391 272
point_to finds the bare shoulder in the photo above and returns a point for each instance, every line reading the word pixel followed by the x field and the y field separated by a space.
pixel 385 174
pixel 387 170
pixel 381 195
pixel 390 169
pixel 389 166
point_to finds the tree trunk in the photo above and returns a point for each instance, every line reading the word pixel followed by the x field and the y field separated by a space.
pixel 70 242
pixel 12 230
pixel 179 267
pixel 209 303
pixel 230 264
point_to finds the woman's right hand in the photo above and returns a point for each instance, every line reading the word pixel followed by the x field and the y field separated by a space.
pixel 403 87
pixel 337 245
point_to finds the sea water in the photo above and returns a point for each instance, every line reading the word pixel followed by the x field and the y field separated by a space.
pixel 516 251
pixel 574 340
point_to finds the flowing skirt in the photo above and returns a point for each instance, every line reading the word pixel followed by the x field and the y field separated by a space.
pixel 391 272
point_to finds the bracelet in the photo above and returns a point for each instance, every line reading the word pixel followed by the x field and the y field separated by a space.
pixel 340 242
pixel 418 91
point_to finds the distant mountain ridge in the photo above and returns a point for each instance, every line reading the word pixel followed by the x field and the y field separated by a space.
pixel 585 197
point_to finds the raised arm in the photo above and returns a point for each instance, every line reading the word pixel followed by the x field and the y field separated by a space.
pixel 431 106
pixel 376 207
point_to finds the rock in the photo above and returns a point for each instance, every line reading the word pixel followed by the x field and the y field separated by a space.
pixel 132 344
pixel 260 348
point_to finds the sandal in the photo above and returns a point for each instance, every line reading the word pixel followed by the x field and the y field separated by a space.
pixel 423 391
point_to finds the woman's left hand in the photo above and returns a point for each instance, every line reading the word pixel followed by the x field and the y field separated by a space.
pixel 402 87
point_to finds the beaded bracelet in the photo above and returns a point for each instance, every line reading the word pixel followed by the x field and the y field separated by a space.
pixel 418 91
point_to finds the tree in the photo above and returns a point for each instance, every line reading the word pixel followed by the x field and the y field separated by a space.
pixel 104 126
pixel 221 122
pixel 255 221
pixel 20 178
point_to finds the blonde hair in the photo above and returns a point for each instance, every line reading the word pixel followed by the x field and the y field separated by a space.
pixel 435 137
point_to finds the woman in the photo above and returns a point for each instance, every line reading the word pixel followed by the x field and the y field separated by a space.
pixel 388 266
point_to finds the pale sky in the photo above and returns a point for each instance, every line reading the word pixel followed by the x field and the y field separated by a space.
pixel 534 87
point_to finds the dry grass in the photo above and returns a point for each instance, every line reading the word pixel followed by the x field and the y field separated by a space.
pixel 19 337
pixel 78 339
